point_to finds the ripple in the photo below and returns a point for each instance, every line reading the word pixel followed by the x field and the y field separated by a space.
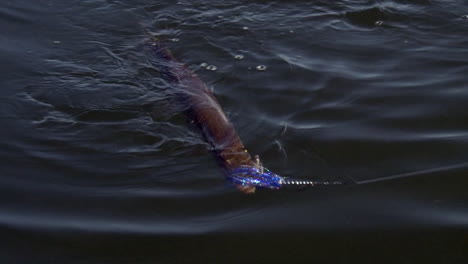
pixel 55 222
pixel 15 14
pixel 105 115
pixel 367 17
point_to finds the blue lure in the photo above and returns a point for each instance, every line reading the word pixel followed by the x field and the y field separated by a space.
pixel 253 176
pixel 264 178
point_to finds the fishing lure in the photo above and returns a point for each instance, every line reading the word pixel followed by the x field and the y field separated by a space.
pixel 260 176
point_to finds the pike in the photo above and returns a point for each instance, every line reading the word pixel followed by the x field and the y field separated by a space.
pixel 245 172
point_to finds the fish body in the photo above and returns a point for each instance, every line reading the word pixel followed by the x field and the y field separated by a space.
pixel 205 111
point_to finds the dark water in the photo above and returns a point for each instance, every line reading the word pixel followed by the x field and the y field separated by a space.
pixel 99 166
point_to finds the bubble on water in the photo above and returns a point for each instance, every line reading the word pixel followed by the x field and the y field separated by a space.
pixel 238 57
pixel 56 42
pixel 175 40
pixel 291 31
pixel 203 64
pixel 211 68
pixel 245 28
pixel 261 68
pixel 378 23
pixel 220 16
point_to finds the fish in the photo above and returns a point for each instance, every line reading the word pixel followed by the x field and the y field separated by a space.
pixel 244 171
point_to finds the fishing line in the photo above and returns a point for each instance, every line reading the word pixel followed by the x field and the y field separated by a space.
pixel 417 173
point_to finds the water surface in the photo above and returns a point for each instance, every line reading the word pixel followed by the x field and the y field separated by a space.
pixel 98 164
